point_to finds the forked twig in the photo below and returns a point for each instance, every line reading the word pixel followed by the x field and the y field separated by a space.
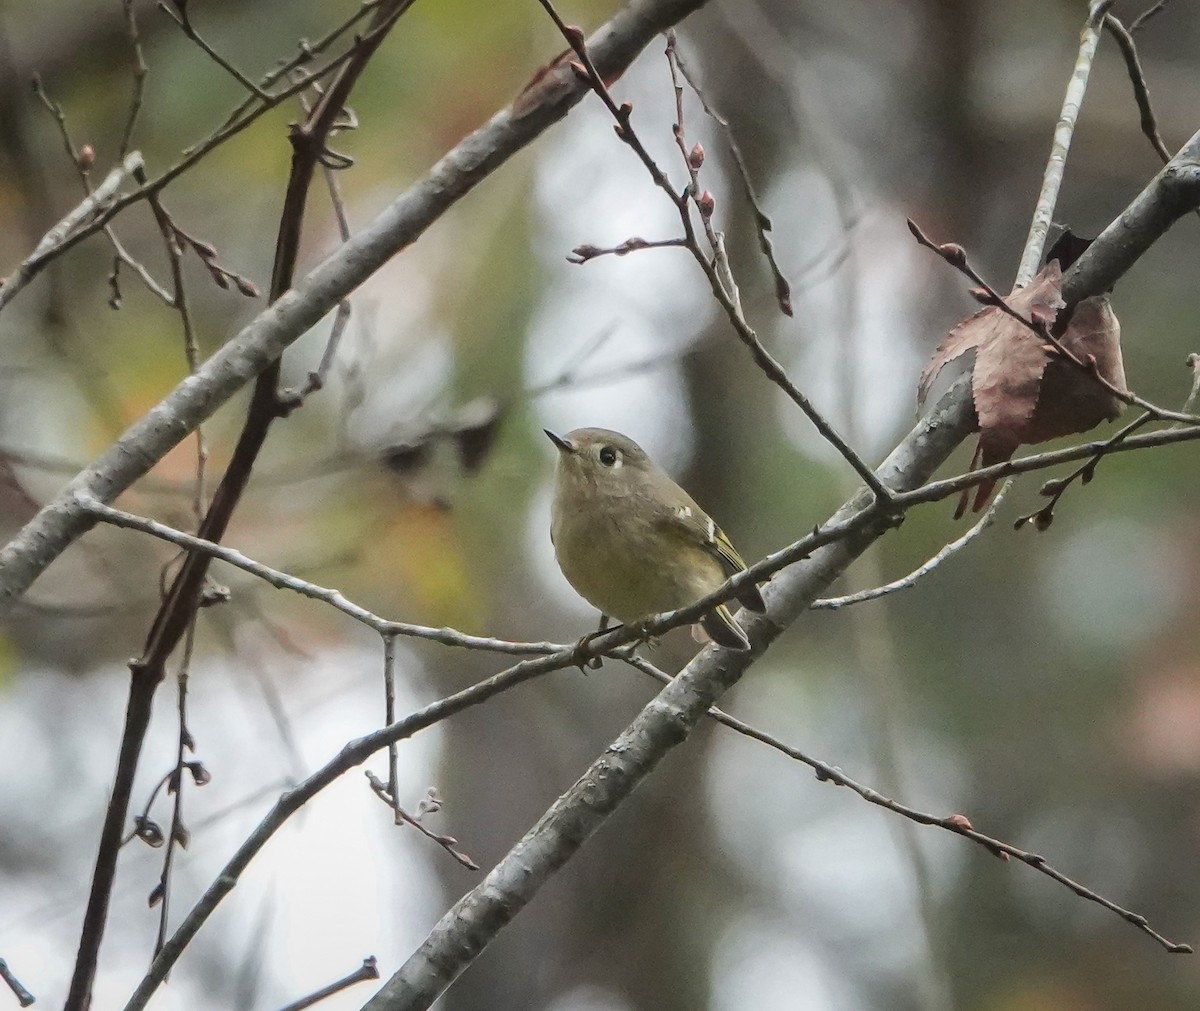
pixel 446 842
pixel 1056 164
pixel 903 583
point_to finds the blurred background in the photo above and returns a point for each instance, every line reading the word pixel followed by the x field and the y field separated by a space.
pixel 1046 685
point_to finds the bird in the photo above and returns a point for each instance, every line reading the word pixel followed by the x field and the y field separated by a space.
pixel 632 542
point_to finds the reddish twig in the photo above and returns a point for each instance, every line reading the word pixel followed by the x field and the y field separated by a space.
pixel 956 823
pixel 727 297
pixel 762 222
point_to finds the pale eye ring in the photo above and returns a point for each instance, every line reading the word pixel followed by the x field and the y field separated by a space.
pixel 608 456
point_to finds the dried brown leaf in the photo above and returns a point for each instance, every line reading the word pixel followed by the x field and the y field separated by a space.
pixel 1023 390
pixel 1071 400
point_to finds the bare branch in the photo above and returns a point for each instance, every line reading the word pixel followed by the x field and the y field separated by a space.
pixel 284 581
pixel 762 222
pixel 956 823
pixel 139 77
pixel 392 792
pixel 1147 14
pixel 316 379
pixel 180 16
pixel 955 546
pixel 24 997
pixel 368 970
pixel 1141 91
pixel 581 254
pixel 1056 165
pixel 57 235
pixel 388 796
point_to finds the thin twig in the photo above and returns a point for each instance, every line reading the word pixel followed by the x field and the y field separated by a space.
pixel 178 835
pixel 94 203
pixel 180 16
pixel 446 842
pixel 874 593
pixel 585 252
pixel 368 970
pixel 24 997
pixel 1147 14
pixel 139 77
pixel 389 717
pixel 1056 164
pixel 81 160
pixel 762 222
pixel 956 823
pixel 317 378
pixel 1141 91
pixel 1057 487
pixel 191 346
pixel 573 380
pixel 284 581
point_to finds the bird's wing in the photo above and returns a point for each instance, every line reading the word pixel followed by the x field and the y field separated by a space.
pixel 691 522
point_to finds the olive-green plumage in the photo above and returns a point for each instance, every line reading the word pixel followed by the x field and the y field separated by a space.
pixel 631 541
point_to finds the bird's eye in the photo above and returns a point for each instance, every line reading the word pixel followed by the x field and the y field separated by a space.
pixel 608 456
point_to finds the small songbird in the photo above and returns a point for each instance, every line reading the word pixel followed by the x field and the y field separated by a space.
pixel 632 542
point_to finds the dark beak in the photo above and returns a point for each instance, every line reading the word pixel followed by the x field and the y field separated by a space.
pixel 563 445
